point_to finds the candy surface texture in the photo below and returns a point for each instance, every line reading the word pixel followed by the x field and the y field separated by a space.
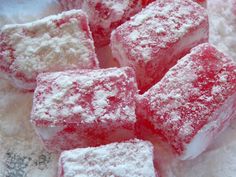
pixel 104 15
pixel 133 158
pixel 54 43
pixel 155 38
pixel 84 108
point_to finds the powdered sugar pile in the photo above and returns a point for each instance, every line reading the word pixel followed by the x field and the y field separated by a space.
pixel 21 153
pixel 223 25
pixel 21 11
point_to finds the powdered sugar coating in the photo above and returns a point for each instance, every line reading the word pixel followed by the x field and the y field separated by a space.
pixel 104 15
pixel 191 96
pixel 154 39
pixel 54 43
pixel 81 108
pixel 202 2
pixel 133 158
pixel 62 95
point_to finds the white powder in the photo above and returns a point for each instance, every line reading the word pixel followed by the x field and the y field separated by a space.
pixel 43 46
pixel 15 11
pixel 174 116
pixel 182 87
pixel 69 88
pixel 222 26
pixel 157 19
pixel 216 90
pixel 21 152
pixel 130 159
pixel 100 101
pixel 186 129
pixel 104 15
pixel 134 35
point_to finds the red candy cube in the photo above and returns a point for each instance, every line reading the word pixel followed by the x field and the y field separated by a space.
pixel 84 108
pixel 55 43
pixel 154 39
pixel 193 102
pixel 104 15
pixel 133 158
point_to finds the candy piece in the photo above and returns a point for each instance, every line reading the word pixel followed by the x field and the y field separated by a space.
pixel 154 39
pixel 54 43
pixel 104 15
pixel 84 108
pixel 193 102
pixel 133 158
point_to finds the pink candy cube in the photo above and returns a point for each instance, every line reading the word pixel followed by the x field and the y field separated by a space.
pixel 193 102
pixel 154 39
pixel 133 158
pixel 54 43
pixel 81 108
pixel 104 15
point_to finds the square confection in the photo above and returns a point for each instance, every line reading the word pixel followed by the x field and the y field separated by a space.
pixel 82 108
pixel 54 43
pixel 155 38
pixel 104 16
pixel 193 103
pixel 132 158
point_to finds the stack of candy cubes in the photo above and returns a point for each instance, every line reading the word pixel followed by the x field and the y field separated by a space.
pixel 172 86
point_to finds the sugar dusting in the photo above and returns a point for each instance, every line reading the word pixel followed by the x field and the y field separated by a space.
pixel 43 45
pixel 165 22
pixel 18 142
pixel 182 92
pixel 220 158
pixel 21 153
pixel 116 159
pixel 45 42
pixel 21 11
pixel 104 15
pixel 223 25
pixel 69 88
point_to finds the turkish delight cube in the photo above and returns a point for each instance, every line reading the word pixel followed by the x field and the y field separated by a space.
pixel 81 108
pixel 193 102
pixel 104 16
pixel 154 39
pixel 132 158
pixel 54 43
